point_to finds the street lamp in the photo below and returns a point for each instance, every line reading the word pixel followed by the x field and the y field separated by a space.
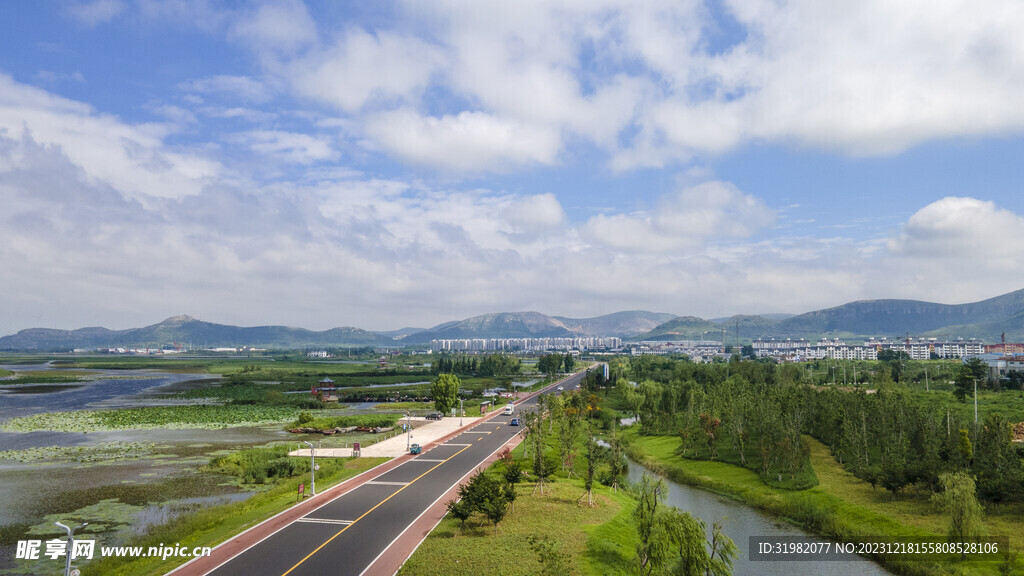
pixel 408 426
pixel 461 412
pixel 70 546
pixel 312 468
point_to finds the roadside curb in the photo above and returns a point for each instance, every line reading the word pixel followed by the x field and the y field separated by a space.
pixel 243 541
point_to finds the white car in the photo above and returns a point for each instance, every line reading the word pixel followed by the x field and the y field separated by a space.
pixel 560 388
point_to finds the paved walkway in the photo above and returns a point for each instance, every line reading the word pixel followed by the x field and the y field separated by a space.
pixel 423 432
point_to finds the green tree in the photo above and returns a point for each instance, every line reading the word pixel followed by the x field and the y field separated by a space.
pixel 445 391
pixel 552 562
pixel 593 455
pixel 513 475
pixel 550 364
pixel 960 502
pixel 461 511
pixel 669 540
pixel 616 459
pixel 569 363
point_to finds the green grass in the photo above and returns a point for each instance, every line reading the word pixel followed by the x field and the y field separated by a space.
pixel 212 526
pixel 596 540
pixel 328 422
pixel 402 406
pixel 46 377
pixel 196 416
pixel 841 506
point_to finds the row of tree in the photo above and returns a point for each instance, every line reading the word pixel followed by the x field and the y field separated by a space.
pixel 554 363
pixel 752 414
pixel 489 365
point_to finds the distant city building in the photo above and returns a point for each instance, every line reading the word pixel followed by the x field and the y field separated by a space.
pixel 525 344
pixel 1009 349
pixel 836 349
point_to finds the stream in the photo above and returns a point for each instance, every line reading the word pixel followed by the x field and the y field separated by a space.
pixel 740 522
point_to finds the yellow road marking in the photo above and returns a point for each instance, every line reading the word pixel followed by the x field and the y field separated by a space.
pixel 370 510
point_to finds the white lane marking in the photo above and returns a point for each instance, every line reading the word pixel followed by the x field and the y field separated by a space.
pixel 386 483
pixel 324 521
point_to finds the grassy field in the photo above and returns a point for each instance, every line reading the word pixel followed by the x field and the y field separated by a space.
pixel 595 541
pixel 840 506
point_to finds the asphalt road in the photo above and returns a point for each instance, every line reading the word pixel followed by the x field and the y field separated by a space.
pixel 345 535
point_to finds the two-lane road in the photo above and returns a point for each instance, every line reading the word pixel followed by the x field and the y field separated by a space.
pixel 345 535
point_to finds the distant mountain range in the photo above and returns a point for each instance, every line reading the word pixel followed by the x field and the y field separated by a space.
pixel 537 325
pixel 986 320
pixel 186 331
pixel 893 318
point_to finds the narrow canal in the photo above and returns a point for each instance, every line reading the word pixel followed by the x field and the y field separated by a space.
pixel 740 522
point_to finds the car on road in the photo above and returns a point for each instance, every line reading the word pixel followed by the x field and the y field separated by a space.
pixel 560 388
pixel 434 416
pixel 415 449
pixel 514 422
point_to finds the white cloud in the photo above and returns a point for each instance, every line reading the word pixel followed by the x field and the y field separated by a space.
pixel 97 12
pixel 242 88
pixel 130 158
pixel 283 26
pixel 961 228
pixel 466 142
pixel 684 220
pixel 287 146
pixel 238 112
pixel 652 84
pixel 534 214
pixel 362 69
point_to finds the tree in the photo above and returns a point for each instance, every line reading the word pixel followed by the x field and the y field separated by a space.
pixel 569 362
pixel 550 364
pixel 972 371
pixel 959 501
pixel 650 547
pixel 445 391
pixel 669 539
pixel 513 474
pixel 616 459
pixel 552 562
pixel 593 455
pixel 484 493
pixel 461 511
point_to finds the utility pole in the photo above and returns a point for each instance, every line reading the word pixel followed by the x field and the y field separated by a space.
pixel 926 379
pixel 408 427
pixel 312 468
pixel 975 400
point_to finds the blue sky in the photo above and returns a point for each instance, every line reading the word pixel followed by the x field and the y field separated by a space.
pixel 390 164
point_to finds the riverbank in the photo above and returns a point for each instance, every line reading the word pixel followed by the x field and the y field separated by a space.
pixel 841 507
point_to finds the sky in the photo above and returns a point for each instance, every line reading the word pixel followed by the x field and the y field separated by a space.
pixel 392 164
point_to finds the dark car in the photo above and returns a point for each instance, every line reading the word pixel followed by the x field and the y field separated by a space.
pixel 514 422
pixel 434 416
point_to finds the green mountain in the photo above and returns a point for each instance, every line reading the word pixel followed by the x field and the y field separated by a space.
pixel 683 328
pixel 537 325
pixel 986 320
pixel 185 330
